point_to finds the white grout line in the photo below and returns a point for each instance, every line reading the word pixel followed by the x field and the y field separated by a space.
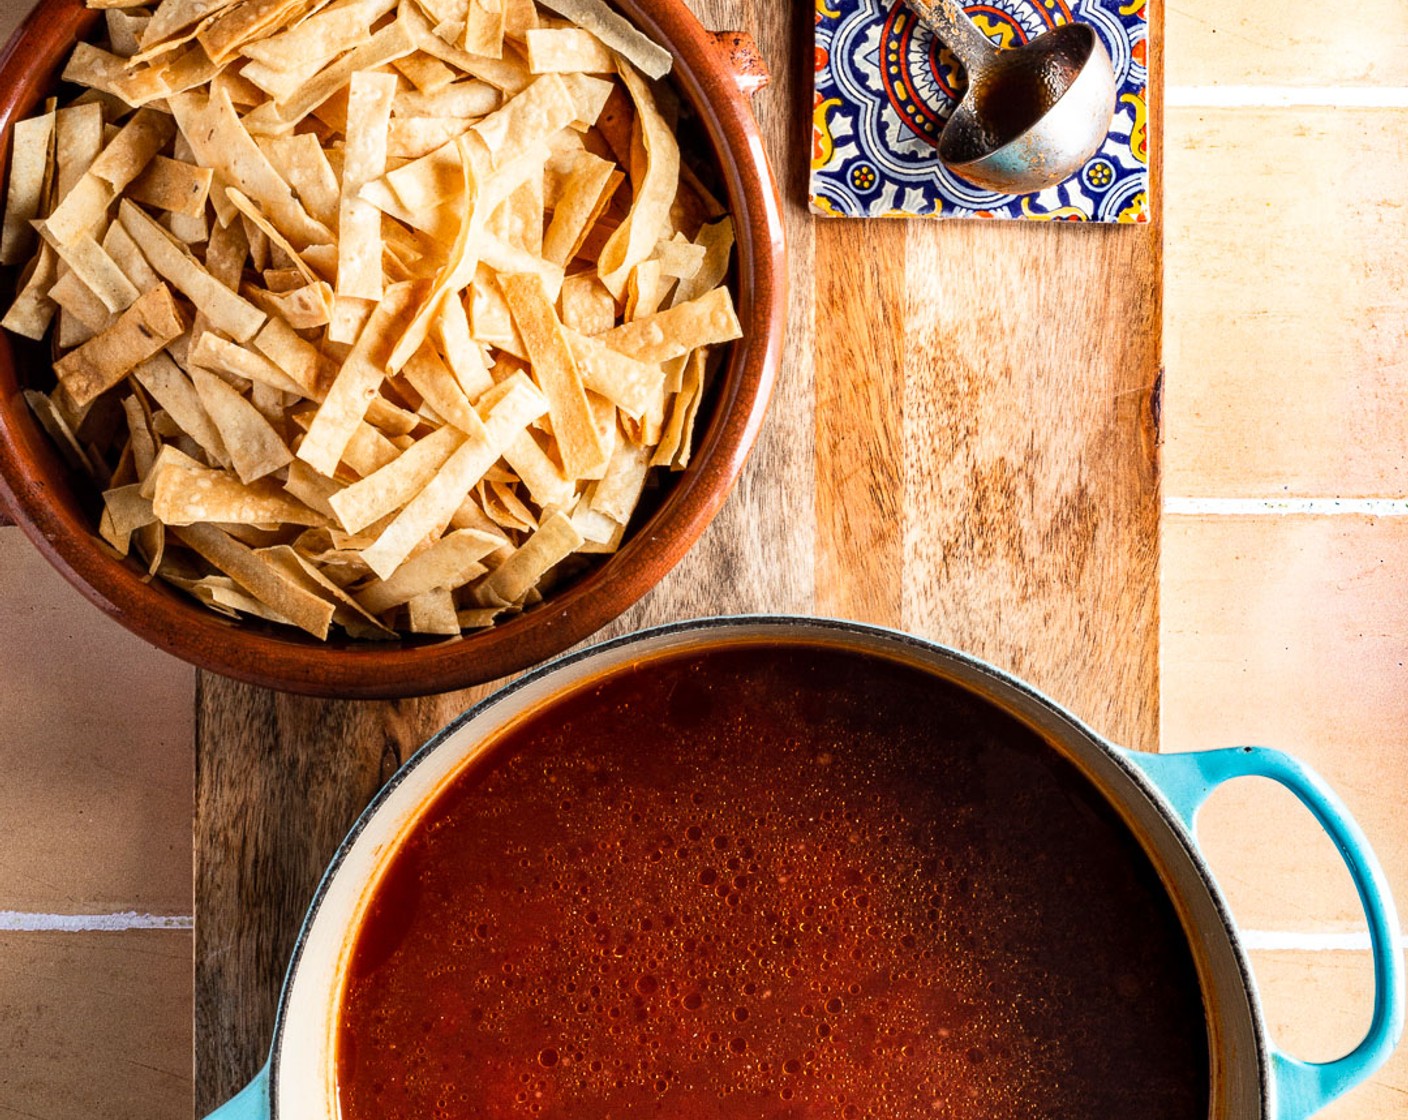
pixel 17 921
pixel 1273 940
pixel 1280 97
pixel 1315 507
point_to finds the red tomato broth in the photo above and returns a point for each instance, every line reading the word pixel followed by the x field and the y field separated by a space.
pixel 771 882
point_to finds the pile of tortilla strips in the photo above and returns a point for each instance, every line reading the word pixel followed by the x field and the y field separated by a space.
pixel 369 314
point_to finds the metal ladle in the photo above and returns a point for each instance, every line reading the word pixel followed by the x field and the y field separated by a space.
pixel 1032 115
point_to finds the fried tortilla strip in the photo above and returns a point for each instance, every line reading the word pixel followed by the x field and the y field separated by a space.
pixel 615 32
pixel 462 354
pixel 221 142
pixel 356 385
pixel 390 43
pixel 124 512
pixel 434 613
pixel 99 273
pixel 82 209
pixel 556 369
pixel 430 510
pixel 390 488
pixel 547 484
pixel 255 448
pixel 556 539
pixel 618 492
pixel 655 188
pixel 568 50
pixel 172 18
pixel 484 28
pixel 460 100
pixel 32 154
pixel 186 495
pixel 625 382
pixel 587 307
pixel 128 153
pixel 527 120
pixel 359 273
pixel 261 579
pixel 140 331
pixel 171 184
pixel 225 310
pixel 223 36
pixel 428 374
pixel 586 193
pixel 348 612
pixel 320 38
pixel 706 321
pixel 717 240
pixel 450 562
pixel 303 163
pixel 172 390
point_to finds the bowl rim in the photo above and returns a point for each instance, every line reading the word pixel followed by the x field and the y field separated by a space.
pixel 35 491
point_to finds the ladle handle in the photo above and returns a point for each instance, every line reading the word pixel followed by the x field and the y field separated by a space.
pixel 948 20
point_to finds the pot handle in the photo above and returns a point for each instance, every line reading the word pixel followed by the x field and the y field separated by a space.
pixel 250 1103
pixel 743 59
pixel 1187 781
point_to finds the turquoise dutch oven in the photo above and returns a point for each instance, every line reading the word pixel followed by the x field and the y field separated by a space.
pixel 1157 797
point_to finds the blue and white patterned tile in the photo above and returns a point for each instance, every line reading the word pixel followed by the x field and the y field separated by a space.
pixel 885 87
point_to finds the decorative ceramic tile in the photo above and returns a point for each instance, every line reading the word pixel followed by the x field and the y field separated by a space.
pixel 885 87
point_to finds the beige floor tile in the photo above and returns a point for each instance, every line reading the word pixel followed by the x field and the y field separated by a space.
pixel 1291 632
pixel 1286 303
pixel 1213 42
pixel 96 733
pixel 1317 1008
pixel 95 1025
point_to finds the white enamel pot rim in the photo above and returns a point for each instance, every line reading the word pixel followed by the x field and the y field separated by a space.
pixel 1156 795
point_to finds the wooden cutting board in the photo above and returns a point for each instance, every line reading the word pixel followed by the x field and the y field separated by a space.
pixel 963 443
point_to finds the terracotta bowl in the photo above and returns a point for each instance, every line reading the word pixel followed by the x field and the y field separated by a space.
pixel 716 74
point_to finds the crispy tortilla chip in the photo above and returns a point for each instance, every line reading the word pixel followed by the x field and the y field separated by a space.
pixel 460 100
pixel 557 372
pixel 124 512
pixel 171 184
pixel 434 506
pixel 192 495
pixel 357 381
pixel 655 189
pixel 464 357
pixel 706 321
pixel 99 273
pixel 528 119
pixel 395 484
pixel 625 382
pixel 717 242
pixel 172 389
pixel 434 613
pixel 266 583
pixel 450 562
pixel 547 485
pixel 568 50
pixel 484 28
pixel 255 448
pixel 31 155
pixel 303 163
pixel 129 152
pixel 359 272
pixel 225 310
pixel 221 142
pixel 554 541
pixel 140 331
pixel 594 16
pixel 587 307
pixel 586 193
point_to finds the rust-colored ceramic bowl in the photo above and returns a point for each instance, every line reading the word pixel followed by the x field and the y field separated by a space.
pixel 716 74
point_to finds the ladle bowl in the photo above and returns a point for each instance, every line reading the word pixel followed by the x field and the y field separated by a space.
pixel 1031 115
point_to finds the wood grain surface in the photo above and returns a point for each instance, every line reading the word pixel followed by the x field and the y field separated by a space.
pixel 963 443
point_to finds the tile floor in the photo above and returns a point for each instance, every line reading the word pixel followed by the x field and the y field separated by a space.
pixel 1285 606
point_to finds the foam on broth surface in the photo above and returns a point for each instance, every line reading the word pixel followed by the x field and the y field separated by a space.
pixel 771 882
